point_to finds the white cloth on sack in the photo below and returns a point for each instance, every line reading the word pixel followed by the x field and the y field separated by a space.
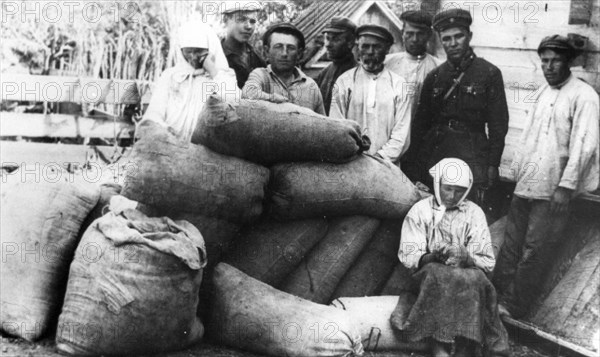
pixel 181 91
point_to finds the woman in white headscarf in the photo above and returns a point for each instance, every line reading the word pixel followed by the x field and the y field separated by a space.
pixel 201 70
pixel 446 243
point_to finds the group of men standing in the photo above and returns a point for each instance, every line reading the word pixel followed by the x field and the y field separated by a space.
pixel 418 112
pixel 415 109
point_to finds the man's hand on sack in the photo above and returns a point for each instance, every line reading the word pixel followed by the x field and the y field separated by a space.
pixel 385 160
pixel 559 203
pixel 278 98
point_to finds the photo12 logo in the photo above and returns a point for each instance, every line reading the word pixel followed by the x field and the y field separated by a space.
pixel 69 11
pixel 499 11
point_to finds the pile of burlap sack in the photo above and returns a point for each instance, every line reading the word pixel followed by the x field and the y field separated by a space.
pixel 271 232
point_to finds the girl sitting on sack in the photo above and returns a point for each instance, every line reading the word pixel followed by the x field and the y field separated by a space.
pixel 446 243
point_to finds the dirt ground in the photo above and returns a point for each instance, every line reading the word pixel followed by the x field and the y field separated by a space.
pixel 13 347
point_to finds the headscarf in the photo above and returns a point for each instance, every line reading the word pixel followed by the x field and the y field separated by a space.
pixel 199 35
pixel 180 79
pixel 450 171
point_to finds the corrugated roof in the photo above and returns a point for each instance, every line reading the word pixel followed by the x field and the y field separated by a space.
pixel 313 19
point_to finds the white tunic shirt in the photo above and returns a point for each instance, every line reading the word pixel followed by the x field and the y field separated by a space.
pixel 559 145
pixel 380 104
pixel 465 225
pixel 413 69
pixel 180 93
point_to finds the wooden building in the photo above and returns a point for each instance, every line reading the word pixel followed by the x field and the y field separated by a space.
pixel 314 19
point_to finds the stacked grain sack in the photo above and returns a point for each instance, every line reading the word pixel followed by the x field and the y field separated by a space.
pixel 147 269
pixel 133 286
pixel 42 213
pixel 320 232
pixel 333 215
pixel 181 180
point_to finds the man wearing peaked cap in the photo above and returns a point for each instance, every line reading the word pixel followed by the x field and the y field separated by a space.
pixel 339 42
pixel 240 19
pixel 376 31
pixel 452 18
pixel 571 47
pixel 415 63
pixel 561 141
pixel 462 110
pixel 375 97
pixel 282 80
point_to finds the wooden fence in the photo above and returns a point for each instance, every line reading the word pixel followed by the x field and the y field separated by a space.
pixel 96 124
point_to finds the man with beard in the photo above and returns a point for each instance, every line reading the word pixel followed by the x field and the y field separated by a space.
pixel 414 64
pixel 282 81
pixel 240 22
pixel 375 97
pixel 556 160
pixel 457 101
pixel 339 41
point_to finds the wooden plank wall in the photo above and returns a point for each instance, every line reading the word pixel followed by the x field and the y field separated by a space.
pixel 507 33
pixel 570 309
pixel 568 303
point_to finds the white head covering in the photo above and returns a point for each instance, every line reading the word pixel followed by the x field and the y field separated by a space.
pixel 200 35
pixel 450 171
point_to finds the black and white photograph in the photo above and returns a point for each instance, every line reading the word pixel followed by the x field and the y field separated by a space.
pixel 300 178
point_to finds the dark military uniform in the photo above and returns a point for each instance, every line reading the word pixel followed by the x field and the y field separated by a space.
pixel 454 124
pixel 328 76
pixel 243 62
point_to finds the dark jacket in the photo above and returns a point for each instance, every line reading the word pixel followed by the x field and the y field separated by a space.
pixel 328 76
pixel 243 67
pixel 456 126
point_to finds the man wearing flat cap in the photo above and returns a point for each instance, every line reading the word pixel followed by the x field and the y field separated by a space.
pixel 339 41
pixel 240 19
pixel 458 100
pixel 415 63
pixel 374 96
pixel 282 81
pixel 556 160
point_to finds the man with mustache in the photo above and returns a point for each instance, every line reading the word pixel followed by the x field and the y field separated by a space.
pixel 282 81
pixel 555 161
pixel 240 21
pixel 374 96
pixel 339 41
pixel 457 101
pixel 414 64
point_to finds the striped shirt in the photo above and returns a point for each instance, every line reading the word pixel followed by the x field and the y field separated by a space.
pixel 303 90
